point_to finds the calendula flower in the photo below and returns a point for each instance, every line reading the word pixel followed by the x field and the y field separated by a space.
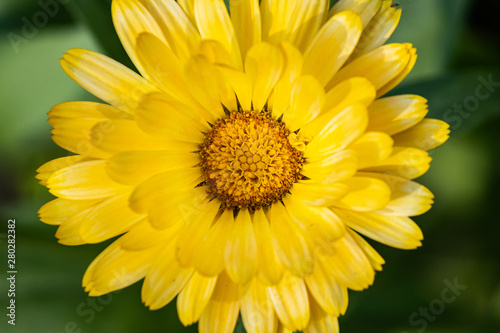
pixel 242 165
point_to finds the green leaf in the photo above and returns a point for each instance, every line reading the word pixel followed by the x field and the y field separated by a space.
pixel 463 100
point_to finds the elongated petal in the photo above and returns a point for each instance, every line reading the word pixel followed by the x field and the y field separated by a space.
pixel 365 8
pixel 380 28
pixel 264 65
pixel 194 298
pixel 396 231
pixel 375 259
pixel 165 279
pixel 168 182
pixel 245 17
pixel 396 114
pixel 210 258
pixel 341 165
pixel 306 101
pixel 160 115
pixel 241 84
pixel 318 194
pixel 372 148
pixel 214 22
pixel 143 236
pixel 365 194
pixel 119 135
pixel 59 210
pixel 221 313
pixel 291 302
pixel 241 261
pixel 321 321
pixel 116 268
pixel 107 219
pixel 332 46
pixel 276 17
pixel 426 135
pixel 405 162
pixel 179 31
pixel 293 247
pixel 337 133
pixel 356 90
pixel 381 66
pixel 45 171
pixel 105 78
pixel 407 198
pixel 257 310
pixel 270 269
pixel 327 291
pixel 134 167
pixel 86 180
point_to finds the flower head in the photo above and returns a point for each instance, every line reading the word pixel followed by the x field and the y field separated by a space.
pixel 245 161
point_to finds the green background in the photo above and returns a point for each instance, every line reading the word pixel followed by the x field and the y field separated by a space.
pixel 457 42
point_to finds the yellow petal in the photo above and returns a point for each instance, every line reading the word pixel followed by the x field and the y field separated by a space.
pixel 321 321
pixel 318 194
pixel 270 269
pixel 426 135
pixel 264 65
pixel 45 171
pixel 86 180
pixel 209 260
pixel 206 84
pixel 245 16
pixel 163 66
pixel 348 263
pixel 143 236
pixel 164 279
pixel 188 7
pixel 338 166
pixel 365 8
pixel 375 259
pixel 365 194
pixel 372 148
pixel 60 210
pixel 257 310
pixel 105 78
pixel 108 219
pixel 332 46
pixel 241 248
pixel 338 131
pixel 214 22
pixel 134 167
pixel 194 231
pixel 396 231
pixel 221 313
pixel 327 291
pixel 291 302
pixel 168 182
pixel 292 246
pixel 276 18
pixel 116 268
pixel 356 90
pixel 409 163
pixel 380 66
pixel 177 27
pixel 163 116
pixel 306 101
pixel 400 76
pixel 119 135
pixel 380 28
pixel 407 198
pixel 194 298
pixel 177 207
pixel 73 121
pixel 396 114
pixel 241 84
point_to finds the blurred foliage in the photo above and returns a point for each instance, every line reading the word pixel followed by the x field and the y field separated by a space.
pixel 458 43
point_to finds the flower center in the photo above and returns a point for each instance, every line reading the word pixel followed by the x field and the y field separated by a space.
pixel 248 161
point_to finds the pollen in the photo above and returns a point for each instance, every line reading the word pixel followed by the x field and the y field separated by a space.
pixel 248 160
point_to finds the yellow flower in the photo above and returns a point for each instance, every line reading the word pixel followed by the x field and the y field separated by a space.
pixel 241 166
